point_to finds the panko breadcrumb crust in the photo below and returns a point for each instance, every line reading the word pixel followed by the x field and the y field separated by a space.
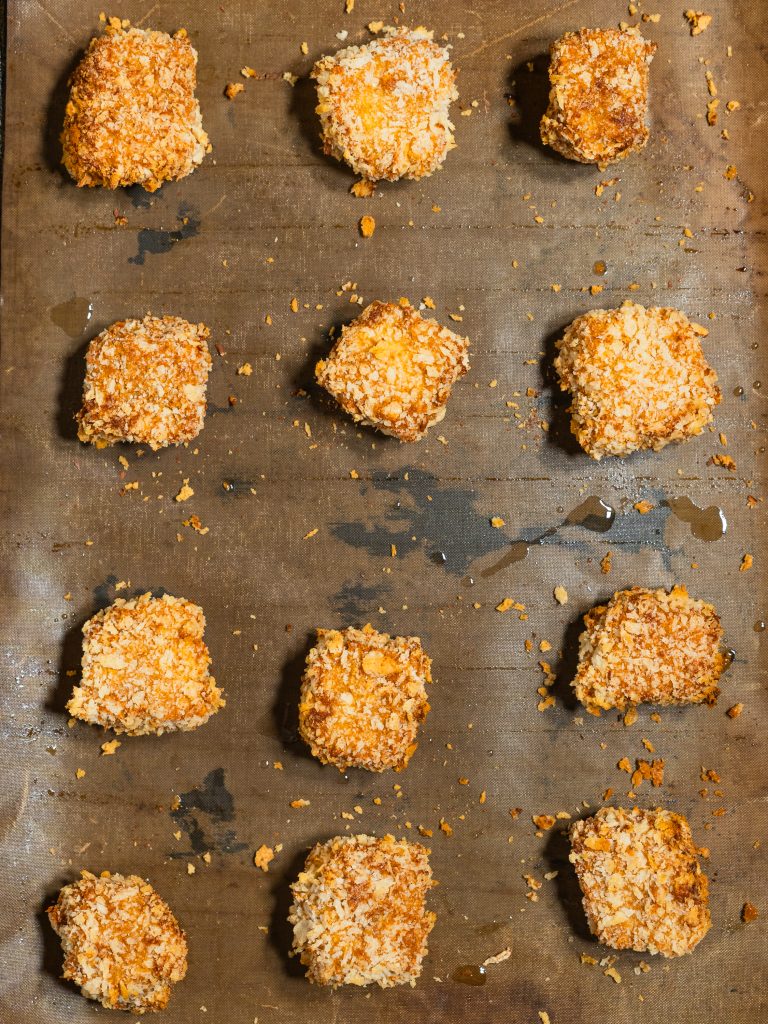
pixel 145 382
pixel 654 646
pixel 363 698
pixel 132 117
pixel 637 377
pixel 359 913
pixel 392 369
pixel 121 943
pixel 145 668
pixel 599 96
pixel 642 885
pixel 384 107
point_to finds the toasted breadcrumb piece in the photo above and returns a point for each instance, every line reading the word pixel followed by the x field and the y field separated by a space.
pixel 145 668
pixel 359 911
pixel 363 698
pixel 384 107
pixel 642 885
pixel 637 377
pixel 393 369
pixel 132 117
pixel 599 96
pixel 122 945
pixel 649 646
pixel 145 382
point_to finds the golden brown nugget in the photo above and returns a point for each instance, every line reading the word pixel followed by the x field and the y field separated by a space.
pixel 363 698
pixel 122 945
pixel 392 369
pixel 145 382
pixel 132 117
pixel 638 379
pixel 384 107
pixel 642 885
pixel 145 668
pixel 649 646
pixel 599 96
pixel 359 911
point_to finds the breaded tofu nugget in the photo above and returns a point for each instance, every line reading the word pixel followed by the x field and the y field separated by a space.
pixel 121 943
pixel 599 96
pixel 650 646
pixel 363 698
pixel 637 377
pixel 145 668
pixel 384 107
pixel 392 369
pixel 132 117
pixel 359 911
pixel 145 382
pixel 642 885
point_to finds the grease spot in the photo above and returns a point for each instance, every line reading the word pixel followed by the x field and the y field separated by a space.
pixel 706 523
pixel 354 601
pixel 73 316
pixel 156 241
pixel 470 974
pixel 201 814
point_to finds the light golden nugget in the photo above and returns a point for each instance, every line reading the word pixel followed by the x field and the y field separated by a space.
pixel 641 882
pixel 132 117
pixel 359 911
pixel 121 943
pixel 384 107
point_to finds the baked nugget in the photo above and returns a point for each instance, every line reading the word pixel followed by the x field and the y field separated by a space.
pixel 363 698
pixel 122 945
pixel 392 369
pixel 359 911
pixel 145 668
pixel 145 382
pixel 132 117
pixel 642 885
pixel 599 96
pixel 384 107
pixel 649 646
pixel 638 379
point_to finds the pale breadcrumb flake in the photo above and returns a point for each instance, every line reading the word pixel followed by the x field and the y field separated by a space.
pixel 392 369
pixel 145 668
pixel 122 945
pixel 641 881
pixel 132 117
pixel 638 379
pixel 599 96
pixel 363 698
pixel 653 646
pixel 359 911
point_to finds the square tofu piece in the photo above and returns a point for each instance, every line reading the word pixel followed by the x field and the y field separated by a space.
pixel 363 698
pixel 132 117
pixel 642 885
pixel 145 382
pixel 649 646
pixel 599 96
pixel 638 379
pixel 145 668
pixel 393 369
pixel 359 911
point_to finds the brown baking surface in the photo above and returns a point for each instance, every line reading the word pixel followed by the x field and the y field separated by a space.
pixel 199 249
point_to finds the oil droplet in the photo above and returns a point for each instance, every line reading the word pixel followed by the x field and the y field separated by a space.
pixel 600 267
pixel 706 523
pixel 738 391
pixel 439 557
pixel 730 657
pixel 593 514
pixel 73 316
pixel 470 974
pixel 759 626
pixel 757 385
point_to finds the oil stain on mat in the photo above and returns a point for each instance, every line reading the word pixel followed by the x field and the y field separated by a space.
pixel 156 241
pixel 202 813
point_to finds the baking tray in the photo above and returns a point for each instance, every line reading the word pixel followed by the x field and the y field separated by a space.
pixel 267 218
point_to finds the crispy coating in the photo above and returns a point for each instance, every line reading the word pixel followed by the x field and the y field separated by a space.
pixel 145 668
pixel 637 377
pixel 599 96
pixel 132 117
pixel 145 382
pixel 122 945
pixel 384 107
pixel 649 646
pixel 359 911
pixel 393 369
pixel 642 885
pixel 363 698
